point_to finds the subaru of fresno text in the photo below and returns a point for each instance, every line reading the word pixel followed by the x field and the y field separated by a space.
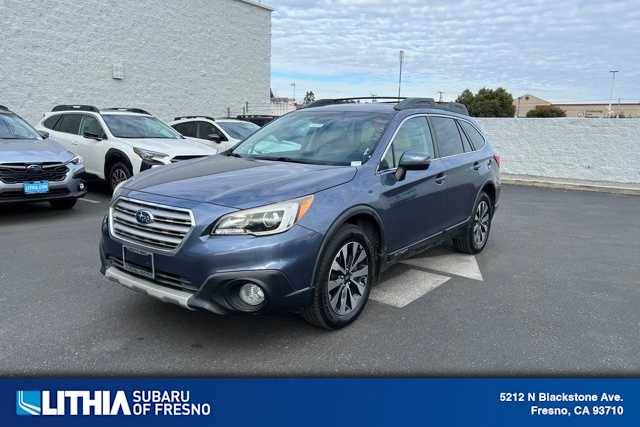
pixel 221 133
pixel 117 143
pixel 306 212
pixel 35 168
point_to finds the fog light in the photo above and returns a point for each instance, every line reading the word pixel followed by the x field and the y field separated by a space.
pixel 81 186
pixel 251 294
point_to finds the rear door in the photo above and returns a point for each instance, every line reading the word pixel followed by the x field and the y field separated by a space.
pixel 413 206
pixel 458 170
pixel 66 131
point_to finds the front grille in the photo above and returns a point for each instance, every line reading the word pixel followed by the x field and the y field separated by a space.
pixel 15 173
pixel 168 228
pixel 161 278
pixel 181 158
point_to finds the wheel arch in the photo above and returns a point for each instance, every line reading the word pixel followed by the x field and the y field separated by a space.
pixel 363 216
pixel 112 156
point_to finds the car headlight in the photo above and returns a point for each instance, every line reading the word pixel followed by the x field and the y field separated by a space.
pixel 149 155
pixel 76 160
pixel 265 220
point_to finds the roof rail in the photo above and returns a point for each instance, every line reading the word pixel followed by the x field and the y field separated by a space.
pixel 334 101
pixel 2 107
pixel 75 108
pixel 129 110
pixel 454 107
pixel 195 117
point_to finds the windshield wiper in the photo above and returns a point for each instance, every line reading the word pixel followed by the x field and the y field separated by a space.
pixel 295 160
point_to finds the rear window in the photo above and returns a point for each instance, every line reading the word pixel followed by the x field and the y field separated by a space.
pixel 476 137
pixel 50 122
pixel 447 136
pixel 69 123
pixel 186 128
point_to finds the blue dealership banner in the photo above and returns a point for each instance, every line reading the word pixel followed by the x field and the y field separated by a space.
pixel 320 402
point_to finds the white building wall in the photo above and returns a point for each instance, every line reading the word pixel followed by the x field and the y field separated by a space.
pixel 179 56
pixel 590 149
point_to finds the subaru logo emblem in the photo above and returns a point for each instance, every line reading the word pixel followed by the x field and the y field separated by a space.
pixel 34 168
pixel 144 217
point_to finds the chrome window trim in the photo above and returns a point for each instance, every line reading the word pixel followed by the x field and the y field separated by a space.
pixel 393 137
pixel 143 202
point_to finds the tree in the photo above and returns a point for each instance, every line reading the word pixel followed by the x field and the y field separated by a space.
pixel 546 111
pixel 309 97
pixel 488 102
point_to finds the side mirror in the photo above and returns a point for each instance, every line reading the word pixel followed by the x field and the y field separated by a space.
pixel 214 137
pixel 91 135
pixel 412 160
pixel 44 134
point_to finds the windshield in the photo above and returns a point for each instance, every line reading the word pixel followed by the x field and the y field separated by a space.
pixel 238 130
pixel 323 137
pixel 13 127
pixel 130 126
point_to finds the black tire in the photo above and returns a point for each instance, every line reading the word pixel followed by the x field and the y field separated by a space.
pixel 467 242
pixel 63 204
pixel 321 312
pixel 117 172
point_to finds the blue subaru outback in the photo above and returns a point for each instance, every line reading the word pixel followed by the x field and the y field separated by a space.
pixel 307 212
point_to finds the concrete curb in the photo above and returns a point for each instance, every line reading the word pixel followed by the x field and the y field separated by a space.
pixel 575 185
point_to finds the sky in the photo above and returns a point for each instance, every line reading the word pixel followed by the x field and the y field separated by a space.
pixel 560 50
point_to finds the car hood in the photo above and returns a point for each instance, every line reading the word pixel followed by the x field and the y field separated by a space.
pixel 239 183
pixel 32 151
pixel 174 147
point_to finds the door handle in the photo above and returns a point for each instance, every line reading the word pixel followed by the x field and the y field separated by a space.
pixel 476 166
pixel 440 178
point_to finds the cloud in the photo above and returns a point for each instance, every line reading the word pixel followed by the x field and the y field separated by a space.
pixel 554 49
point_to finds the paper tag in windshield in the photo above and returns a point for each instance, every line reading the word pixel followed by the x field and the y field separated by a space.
pixel 316 125
pixel 358 163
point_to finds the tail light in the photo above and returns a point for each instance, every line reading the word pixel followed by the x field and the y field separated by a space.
pixel 496 158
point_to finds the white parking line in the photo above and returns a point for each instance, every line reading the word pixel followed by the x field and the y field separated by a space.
pixel 402 289
pixel 446 261
pixel 84 199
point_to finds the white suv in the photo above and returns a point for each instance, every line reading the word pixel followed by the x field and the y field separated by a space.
pixel 117 143
pixel 219 133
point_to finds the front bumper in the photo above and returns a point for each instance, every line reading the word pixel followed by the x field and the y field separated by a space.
pixel 69 188
pixel 206 273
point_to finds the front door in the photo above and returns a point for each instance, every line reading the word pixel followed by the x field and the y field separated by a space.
pixel 91 148
pixel 412 207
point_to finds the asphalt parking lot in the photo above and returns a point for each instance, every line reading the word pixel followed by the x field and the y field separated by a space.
pixel 556 292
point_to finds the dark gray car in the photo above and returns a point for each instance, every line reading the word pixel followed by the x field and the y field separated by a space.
pixel 35 168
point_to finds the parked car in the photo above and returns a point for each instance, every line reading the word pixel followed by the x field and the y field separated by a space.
pixel 221 134
pixel 35 168
pixel 117 143
pixel 306 212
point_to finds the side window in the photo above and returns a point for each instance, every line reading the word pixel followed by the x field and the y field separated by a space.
pixel 186 129
pixel 413 135
pixel 447 136
pixel 69 123
pixel 91 125
pixel 476 137
pixel 465 141
pixel 206 129
pixel 50 122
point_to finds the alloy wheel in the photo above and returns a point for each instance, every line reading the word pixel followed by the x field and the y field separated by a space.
pixel 481 220
pixel 118 175
pixel 348 278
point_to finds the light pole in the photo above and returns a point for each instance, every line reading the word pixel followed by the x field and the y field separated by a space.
pixel 613 87
pixel 440 97
pixel 400 75
pixel 294 91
